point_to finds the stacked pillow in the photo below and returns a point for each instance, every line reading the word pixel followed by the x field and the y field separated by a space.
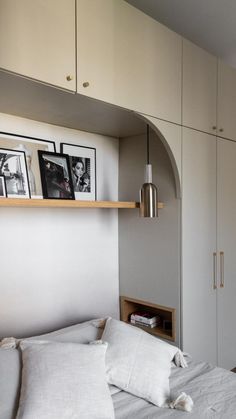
pixel 63 376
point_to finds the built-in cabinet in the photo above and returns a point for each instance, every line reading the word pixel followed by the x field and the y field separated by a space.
pixel 128 59
pixel 110 51
pixel 37 40
pixel 209 241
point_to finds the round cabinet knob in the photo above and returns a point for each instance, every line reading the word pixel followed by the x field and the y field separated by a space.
pixel 69 77
pixel 221 130
pixel 214 127
pixel 86 84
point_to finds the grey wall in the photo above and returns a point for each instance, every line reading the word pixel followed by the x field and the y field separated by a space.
pixel 149 249
pixel 59 266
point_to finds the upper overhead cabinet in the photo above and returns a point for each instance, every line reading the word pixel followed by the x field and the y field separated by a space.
pixel 226 101
pixel 199 88
pixel 37 40
pixel 128 59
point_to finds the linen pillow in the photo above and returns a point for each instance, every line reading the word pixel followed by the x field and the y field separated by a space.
pixel 64 380
pixel 137 362
pixel 10 359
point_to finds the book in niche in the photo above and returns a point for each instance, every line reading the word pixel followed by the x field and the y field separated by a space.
pixel 137 323
pixel 145 317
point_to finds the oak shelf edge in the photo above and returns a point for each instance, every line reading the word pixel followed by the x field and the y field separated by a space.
pixel 67 203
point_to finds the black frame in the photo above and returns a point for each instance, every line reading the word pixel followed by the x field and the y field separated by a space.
pixel 2 177
pixel 95 162
pixel 46 194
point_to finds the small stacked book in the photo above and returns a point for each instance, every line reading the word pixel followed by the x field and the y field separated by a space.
pixel 143 318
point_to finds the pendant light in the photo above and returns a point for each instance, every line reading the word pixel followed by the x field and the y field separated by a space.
pixel 148 192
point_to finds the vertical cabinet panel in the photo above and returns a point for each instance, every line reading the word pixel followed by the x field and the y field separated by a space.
pixel 198 244
pixel 129 59
pixel 226 305
pixel 37 40
pixel 199 88
pixel 148 76
pixel 226 101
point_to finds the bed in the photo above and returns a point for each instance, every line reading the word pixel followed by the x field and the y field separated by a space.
pixel 212 389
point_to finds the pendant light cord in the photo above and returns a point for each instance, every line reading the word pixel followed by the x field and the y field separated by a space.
pixel 147 144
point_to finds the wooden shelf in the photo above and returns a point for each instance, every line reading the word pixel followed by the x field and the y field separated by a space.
pixel 130 305
pixel 67 203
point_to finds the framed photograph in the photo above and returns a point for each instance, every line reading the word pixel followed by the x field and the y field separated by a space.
pixel 3 188
pixel 55 175
pixel 83 170
pixel 30 146
pixel 13 168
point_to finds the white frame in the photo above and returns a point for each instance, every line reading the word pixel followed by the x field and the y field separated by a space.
pixel 4 189
pixel 32 144
pixel 24 173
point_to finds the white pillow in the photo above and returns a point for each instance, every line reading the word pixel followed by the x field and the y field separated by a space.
pixel 64 380
pixel 137 362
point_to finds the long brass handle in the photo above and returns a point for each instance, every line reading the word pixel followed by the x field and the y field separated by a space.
pixel 222 269
pixel 214 270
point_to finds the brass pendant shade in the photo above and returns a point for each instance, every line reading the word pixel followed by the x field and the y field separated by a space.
pixel 148 192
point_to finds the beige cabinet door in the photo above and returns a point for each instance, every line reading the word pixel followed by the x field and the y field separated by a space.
pixel 95 48
pixel 37 40
pixel 226 215
pixel 129 59
pixel 199 88
pixel 226 101
pixel 199 245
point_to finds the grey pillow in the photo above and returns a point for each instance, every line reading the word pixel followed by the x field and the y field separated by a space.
pixel 10 374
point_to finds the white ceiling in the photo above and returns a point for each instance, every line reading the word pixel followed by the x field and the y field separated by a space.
pixel 211 24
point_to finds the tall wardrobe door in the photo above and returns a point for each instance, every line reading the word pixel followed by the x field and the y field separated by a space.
pixel 199 245
pixel 226 304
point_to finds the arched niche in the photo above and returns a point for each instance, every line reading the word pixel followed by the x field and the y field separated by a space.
pixel 30 99
pixel 170 135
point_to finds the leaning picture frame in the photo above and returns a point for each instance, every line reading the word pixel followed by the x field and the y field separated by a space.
pixel 3 188
pixel 55 175
pixel 83 170
pixel 13 168
pixel 30 145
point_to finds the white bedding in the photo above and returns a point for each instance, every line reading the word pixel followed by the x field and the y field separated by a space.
pixel 212 389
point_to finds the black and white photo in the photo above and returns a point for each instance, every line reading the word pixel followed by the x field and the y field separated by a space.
pixel 3 189
pixel 83 170
pixel 55 175
pixel 30 145
pixel 13 168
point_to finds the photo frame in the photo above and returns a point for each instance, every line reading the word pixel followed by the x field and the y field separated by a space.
pixel 13 168
pixel 55 175
pixel 30 145
pixel 83 170
pixel 3 187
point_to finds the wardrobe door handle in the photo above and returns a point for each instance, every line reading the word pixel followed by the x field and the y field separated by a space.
pixel 214 271
pixel 222 269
